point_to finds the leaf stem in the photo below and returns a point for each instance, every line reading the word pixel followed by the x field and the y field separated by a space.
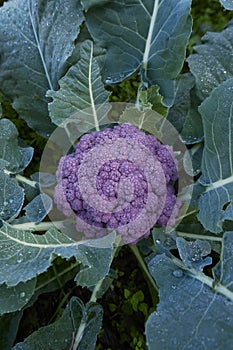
pixel 196 236
pixel 94 294
pixel 93 299
pixel 59 274
pixel 210 282
pixel 137 103
pixel 149 36
pixel 144 268
pixel 79 335
pixel 32 226
pixel 23 179
pixel 38 46
pixel 91 90
pixel 187 214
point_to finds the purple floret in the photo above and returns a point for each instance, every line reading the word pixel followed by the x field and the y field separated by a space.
pixel 170 210
pixel 120 182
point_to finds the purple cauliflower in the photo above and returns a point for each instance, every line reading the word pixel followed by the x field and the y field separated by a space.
pixel 118 179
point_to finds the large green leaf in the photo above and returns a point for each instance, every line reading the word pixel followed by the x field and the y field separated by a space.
pixel 9 326
pixel 184 112
pixel 36 38
pixel 77 321
pixel 11 197
pixel 190 314
pixel 228 4
pixel 223 270
pixel 151 98
pixel 24 255
pixel 213 62
pixel 217 161
pixel 38 208
pixel 179 110
pixel 192 159
pixel 56 276
pixel 151 35
pixel 82 96
pixel 90 3
pixel 17 158
pixel 100 263
pixel 14 298
pixel 145 119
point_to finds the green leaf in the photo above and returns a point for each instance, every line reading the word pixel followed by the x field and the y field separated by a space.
pixel 192 131
pixel 151 35
pixel 36 38
pixel 92 323
pixel 217 162
pixel 86 4
pixel 45 179
pixel 145 119
pixel 152 99
pixel 25 255
pixel 76 319
pixel 82 96
pixel 39 181
pixel 56 276
pixel 11 197
pixel 88 277
pixel 192 253
pixel 178 111
pixel 38 208
pixel 184 112
pixel 163 240
pixel 14 298
pixel 17 157
pixel 228 4
pixel 223 270
pixel 190 315
pixel 212 62
pixel 9 327
pixel 106 283
pixel 192 159
pixel 136 299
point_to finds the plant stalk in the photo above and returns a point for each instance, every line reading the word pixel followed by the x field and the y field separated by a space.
pixel 143 266
pixel 32 226
pixel 194 236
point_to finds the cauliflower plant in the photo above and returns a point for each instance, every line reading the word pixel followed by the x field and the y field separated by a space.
pixel 132 189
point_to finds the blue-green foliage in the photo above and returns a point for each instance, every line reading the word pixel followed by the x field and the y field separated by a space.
pixel 58 58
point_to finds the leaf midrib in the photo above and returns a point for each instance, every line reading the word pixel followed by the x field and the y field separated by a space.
pixel 150 34
pixel 38 46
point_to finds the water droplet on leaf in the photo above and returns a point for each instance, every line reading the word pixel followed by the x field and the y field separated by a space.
pixel 20 258
pixel 177 273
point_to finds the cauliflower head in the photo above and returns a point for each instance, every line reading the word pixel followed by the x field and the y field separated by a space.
pixel 118 179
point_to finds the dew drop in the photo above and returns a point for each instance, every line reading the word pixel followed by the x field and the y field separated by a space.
pixel 20 258
pixel 108 80
pixel 177 273
pixel 22 295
